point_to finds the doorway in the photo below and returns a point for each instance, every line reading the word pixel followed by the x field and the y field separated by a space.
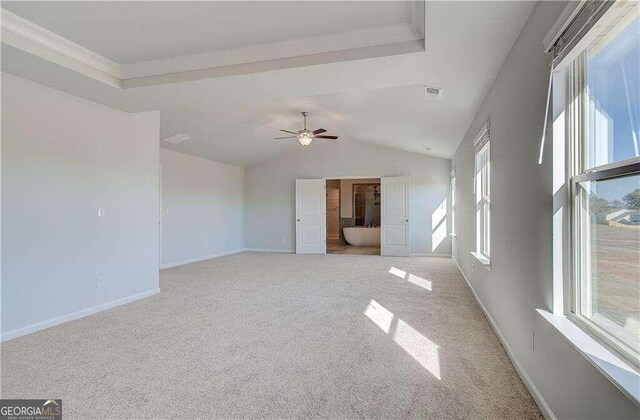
pixel 373 218
pixel 353 208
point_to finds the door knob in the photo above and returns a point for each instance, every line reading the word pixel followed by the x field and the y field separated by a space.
pixel 407 220
pixel 298 220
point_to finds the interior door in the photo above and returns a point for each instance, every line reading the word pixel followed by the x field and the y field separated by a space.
pixel 396 223
pixel 311 218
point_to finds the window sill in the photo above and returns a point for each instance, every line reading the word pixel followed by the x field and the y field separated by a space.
pixel 619 372
pixel 482 259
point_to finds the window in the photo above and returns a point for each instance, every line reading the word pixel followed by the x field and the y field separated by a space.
pixel 453 202
pixel 605 184
pixel 482 184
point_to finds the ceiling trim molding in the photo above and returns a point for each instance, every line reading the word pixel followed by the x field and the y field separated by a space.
pixel 405 47
pixel 34 39
pixel 418 16
pixel 390 34
pixel 355 45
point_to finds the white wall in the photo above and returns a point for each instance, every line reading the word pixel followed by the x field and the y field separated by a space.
pixel 202 208
pixel 520 279
pixel 270 189
pixel 62 158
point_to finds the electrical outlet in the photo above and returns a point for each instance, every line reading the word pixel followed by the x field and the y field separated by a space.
pixel 100 282
pixel 101 212
pixel 533 340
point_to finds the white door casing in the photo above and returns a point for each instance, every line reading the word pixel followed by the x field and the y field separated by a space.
pixel 311 218
pixel 396 221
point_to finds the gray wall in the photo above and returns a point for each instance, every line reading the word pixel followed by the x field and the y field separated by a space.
pixel 270 189
pixel 520 279
pixel 62 158
pixel 202 207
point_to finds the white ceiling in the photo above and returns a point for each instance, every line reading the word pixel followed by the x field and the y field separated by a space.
pixel 139 31
pixel 380 100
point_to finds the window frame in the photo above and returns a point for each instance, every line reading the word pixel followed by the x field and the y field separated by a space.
pixel 483 204
pixel 452 200
pixel 578 172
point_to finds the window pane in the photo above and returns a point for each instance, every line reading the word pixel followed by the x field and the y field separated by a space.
pixel 453 221
pixel 487 229
pixel 453 206
pixel 611 265
pixel 613 86
pixel 453 192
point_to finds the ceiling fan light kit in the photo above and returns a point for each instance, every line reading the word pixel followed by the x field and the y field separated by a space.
pixel 305 139
pixel 304 136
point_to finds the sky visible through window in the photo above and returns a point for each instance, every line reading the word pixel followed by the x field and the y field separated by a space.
pixel 613 80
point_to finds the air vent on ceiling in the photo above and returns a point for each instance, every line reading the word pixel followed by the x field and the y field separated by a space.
pixel 432 92
pixel 176 138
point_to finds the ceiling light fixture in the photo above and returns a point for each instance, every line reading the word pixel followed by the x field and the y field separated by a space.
pixel 304 136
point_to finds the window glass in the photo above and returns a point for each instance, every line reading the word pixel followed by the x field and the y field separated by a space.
pixel 605 80
pixel 611 282
pixel 482 183
pixel 453 205
pixel 613 89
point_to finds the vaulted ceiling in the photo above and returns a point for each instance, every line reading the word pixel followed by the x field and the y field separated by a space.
pixel 230 74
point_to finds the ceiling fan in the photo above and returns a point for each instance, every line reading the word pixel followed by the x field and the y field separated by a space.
pixel 304 136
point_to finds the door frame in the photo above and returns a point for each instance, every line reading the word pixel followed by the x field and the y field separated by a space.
pixel 327 178
pixel 160 213
pixel 326 204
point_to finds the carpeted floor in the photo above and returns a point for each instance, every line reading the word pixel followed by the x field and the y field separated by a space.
pixel 258 335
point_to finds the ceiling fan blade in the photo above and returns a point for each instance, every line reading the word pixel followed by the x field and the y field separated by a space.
pixel 326 137
pixel 288 137
pixel 319 131
pixel 290 132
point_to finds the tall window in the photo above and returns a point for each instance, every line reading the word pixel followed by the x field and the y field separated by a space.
pixel 453 202
pixel 482 196
pixel 605 184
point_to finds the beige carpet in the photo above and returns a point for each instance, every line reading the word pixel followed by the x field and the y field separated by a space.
pixel 280 336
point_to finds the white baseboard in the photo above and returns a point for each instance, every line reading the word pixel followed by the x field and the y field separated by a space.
pixel 533 390
pixel 432 255
pixel 75 315
pixel 283 251
pixel 206 257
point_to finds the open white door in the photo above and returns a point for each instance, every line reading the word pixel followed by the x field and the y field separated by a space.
pixel 396 226
pixel 311 219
